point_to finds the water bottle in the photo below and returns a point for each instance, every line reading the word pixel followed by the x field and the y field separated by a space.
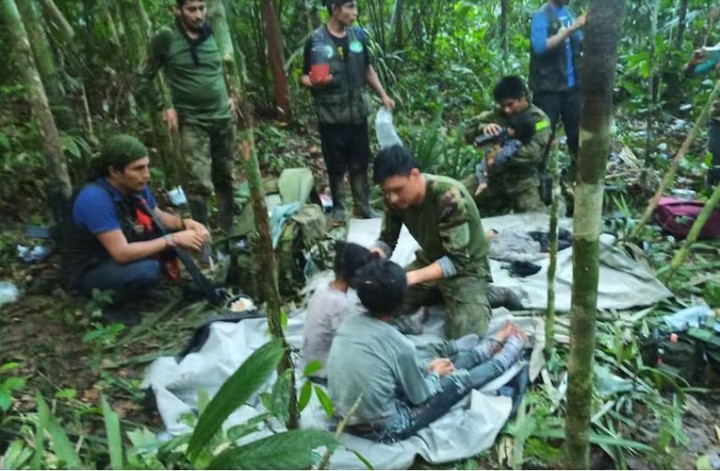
pixel 319 63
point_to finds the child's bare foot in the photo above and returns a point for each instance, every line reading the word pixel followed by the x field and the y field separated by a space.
pixel 506 331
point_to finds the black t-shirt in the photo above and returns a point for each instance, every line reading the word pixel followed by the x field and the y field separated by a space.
pixel 341 45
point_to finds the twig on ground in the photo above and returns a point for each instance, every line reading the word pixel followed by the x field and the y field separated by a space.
pixel 338 433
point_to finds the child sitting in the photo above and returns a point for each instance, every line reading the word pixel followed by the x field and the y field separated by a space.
pixel 520 130
pixel 330 304
pixel 399 391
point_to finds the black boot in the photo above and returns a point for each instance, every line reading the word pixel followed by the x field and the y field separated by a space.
pixel 199 212
pixel 361 196
pixel 226 210
pixel 338 211
pixel 503 297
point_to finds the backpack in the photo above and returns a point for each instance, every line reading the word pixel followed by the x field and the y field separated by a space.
pixel 676 217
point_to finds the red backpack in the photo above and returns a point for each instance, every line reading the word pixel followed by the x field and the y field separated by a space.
pixel 676 217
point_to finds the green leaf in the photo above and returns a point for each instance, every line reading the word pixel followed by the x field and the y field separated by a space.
pixel 288 450
pixel 312 367
pixel 16 455
pixel 280 397
pixel 60 441
pixel 364 460
pixel 597 439
pixel 305 394
pixel 325 401
pixel 112 430
pixel 13 383
pixel 248 378
pixel 251 426
pixel 67 393
pixel 8 366
pixel 5 400
pixel 4 142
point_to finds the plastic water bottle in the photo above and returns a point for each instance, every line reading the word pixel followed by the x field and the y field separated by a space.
pixel 385 130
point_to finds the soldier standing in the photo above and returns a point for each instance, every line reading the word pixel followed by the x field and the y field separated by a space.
pixel 201 109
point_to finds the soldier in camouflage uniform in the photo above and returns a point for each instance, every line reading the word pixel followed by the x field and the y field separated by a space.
pixel 696 67
pixel 452 264
pixel 516 187
pixel 200 109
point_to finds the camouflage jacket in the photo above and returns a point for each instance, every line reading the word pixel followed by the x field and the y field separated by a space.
pixel 445 224
pixel 526 161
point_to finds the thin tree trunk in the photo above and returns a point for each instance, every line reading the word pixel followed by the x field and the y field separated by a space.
pixel 398 41
pixel 46 66
pixel 60 188
pixel 504 13
pixel 680 256
pixel 552 267
pixel 599 62
pixel 670 175
pixel 58 19
pixel 277 61
pixel 266 254
pixel 682 19
pixel 652 95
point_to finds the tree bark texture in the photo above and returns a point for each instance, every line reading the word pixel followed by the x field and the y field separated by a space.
pixel 58 19
pixel 504 13
pixel 277 60
pixel 682 19
pixel 60 189
pixel 652 95
pixel 602 34
pixel 398 41
pixel 46 66
pixel 552 266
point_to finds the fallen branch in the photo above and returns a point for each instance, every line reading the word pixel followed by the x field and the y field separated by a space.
pixel 338 433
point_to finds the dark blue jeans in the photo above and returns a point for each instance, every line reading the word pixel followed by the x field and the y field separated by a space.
pixel 409 418
pixel 123 279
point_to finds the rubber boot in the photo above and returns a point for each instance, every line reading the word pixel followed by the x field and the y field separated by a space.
pixel 503 297
pixel 361 196
pixel 337 216
pixel 226 210
pixel 199 212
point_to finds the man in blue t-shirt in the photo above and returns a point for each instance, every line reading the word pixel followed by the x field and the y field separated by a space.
pixel 555 51
pixel 110 242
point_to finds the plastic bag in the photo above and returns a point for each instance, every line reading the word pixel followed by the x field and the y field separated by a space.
pixel 384 129
pixel 8 293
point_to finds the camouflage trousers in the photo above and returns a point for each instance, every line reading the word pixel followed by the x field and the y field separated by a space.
pixel 501 198
pixel 207 157
pixel 464 299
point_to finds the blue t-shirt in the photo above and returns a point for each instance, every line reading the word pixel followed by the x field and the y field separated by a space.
pixel 94 208
pixel 539 36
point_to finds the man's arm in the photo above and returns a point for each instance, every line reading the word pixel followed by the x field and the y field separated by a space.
pixel 476 125
pixel 124 252
pixel 532 151
pixel 154 60
pixel 372 79
pixel 539 40
pixel 390 232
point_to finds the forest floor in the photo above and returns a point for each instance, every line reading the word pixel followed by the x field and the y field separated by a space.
pixel 66 354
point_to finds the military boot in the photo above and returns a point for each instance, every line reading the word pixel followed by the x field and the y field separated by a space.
pixel 226 210
pixel 337 216
pixel 503 297
pixel 361 196
pixel 199 212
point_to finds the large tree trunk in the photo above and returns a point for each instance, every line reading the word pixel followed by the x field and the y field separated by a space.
pixel 277 61
pixel 45 63
pixel 59 181
pixel 605 19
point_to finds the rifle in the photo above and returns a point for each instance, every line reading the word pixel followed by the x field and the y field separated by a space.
pixel 216 296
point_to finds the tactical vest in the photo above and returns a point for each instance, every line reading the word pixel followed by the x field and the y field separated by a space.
pixel 548 72
pixel 82 250
pixel 343 100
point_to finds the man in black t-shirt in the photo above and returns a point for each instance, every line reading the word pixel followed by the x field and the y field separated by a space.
pixel 341 102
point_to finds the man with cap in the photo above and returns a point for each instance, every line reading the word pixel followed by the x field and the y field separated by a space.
pixel 200 108
pixel 341 103
pixel 110 242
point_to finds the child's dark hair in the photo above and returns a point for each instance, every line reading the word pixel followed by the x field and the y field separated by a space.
pixel 381 286
pixel 523 125
pixel 349 258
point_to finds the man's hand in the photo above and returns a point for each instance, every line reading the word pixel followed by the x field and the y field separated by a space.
pixel 189 240
pixel 387 102
pixel 379 251
pixel 192 225
pixel 320 82
pixel 579 22
pixel 171 118
pixel 492 129
pixel 480 188
pixel 441 366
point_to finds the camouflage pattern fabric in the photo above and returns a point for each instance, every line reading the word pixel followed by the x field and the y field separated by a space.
pixel 467 309
pixel 322 255
pixel 516 186
pixel 207 157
